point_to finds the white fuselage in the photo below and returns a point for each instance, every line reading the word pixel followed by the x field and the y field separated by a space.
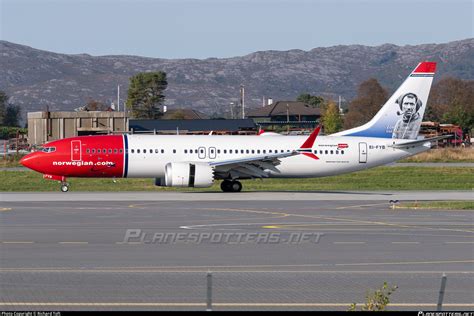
pixel 149 154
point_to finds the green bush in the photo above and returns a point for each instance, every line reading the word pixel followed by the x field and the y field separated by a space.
pixel 378 300
pixel 7 132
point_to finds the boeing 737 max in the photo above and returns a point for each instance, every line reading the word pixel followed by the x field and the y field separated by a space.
pixel 197 161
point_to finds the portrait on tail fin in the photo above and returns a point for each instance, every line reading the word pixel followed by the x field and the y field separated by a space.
pixel 408 125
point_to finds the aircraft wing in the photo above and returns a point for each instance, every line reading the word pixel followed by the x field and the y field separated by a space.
pixel 419 142
pixel 258 167
pixel 252 167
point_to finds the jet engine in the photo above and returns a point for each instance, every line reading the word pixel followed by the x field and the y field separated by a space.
pixel 185 174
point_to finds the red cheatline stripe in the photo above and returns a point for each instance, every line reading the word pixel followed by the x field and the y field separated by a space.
pixel 311 155
pixel 426 67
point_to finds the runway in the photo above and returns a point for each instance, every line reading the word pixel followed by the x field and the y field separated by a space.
pixel 266 251
pixel 193 196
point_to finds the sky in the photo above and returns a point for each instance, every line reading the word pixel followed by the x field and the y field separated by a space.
pixel 227 28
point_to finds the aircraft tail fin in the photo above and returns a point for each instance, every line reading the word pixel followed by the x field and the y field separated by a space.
pixel 400 117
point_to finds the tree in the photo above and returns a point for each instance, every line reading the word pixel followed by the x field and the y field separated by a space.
pixel 313 100
pixel 9 113
pixel 93 105
pixel 370 98
pixel 331 118
pixel 145 94
pixel 177 115
pixel 12 116
pixel 452 101
pixel 3 106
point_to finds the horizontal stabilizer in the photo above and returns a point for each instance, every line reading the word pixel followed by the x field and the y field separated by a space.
pixel 419 141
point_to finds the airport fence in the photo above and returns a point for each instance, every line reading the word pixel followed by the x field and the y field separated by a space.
pixel 150 289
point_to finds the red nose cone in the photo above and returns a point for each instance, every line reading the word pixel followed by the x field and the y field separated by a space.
pixel 30 161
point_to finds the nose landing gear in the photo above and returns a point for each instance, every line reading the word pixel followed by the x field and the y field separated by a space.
pixel 62 179
pixel 231 186
pixel 64 186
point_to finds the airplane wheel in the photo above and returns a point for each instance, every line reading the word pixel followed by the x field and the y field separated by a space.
pixel 225 186
pixel 236 186
pixel 64 187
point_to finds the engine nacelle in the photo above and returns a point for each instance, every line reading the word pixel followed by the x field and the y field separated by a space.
pixel 185 174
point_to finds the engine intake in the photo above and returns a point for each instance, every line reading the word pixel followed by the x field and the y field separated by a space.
pixel 184 174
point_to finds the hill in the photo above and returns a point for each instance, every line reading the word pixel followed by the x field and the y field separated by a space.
pixel 36 78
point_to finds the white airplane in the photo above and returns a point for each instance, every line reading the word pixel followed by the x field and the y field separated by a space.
pixel 198 161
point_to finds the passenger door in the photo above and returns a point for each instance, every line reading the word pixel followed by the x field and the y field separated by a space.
pixel 76 154
pixel 362 152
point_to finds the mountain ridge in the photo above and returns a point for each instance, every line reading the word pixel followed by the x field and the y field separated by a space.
pixel 36 78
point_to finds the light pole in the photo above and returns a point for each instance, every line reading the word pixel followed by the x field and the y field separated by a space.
pixel 118 98
pixel 242 99
pixel 232 110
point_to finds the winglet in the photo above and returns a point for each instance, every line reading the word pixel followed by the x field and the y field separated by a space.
pixel 306 148
pixel 260 132
pixel 310 140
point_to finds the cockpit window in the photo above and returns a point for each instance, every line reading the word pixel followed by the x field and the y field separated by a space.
pixel 48 149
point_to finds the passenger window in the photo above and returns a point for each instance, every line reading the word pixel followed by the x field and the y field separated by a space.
pixel 342 152
pixel 93 151
pixel 185 151
pixel 321 152
pixel 115 150
pixel 225 151
pixel 264 151
pixel 144 151
pixel 133 151
pixel 151 151
pixel 218 151
pixel 104 151
pixel 110 151
pixel 121 151
pixel 174 151
pixel 162 151
pixel 230 151
pixel 337 152
pixel 241 151
pixel 247 151
pixel 326 152
pixel 331 152
pixel 138 151
pixel 87 150
pixel 98 151
pixel 190 151
pixel 270 151
pixel 258 151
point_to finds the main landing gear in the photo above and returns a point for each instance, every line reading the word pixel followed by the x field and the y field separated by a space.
pixel 231 186
pixel 64 186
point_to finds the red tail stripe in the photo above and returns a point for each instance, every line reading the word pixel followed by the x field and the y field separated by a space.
pixel 426 67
